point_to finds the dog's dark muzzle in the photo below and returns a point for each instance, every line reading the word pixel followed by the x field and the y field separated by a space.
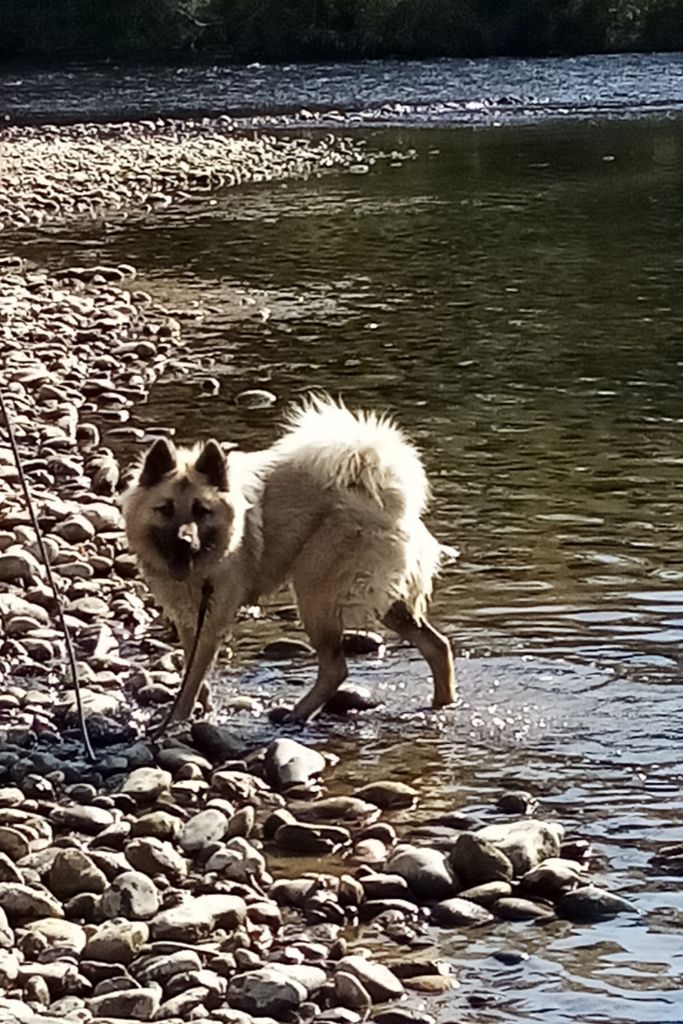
pixel 178 545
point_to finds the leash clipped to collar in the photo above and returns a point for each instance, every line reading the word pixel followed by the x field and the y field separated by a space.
pixel 71 657
pixel 207 592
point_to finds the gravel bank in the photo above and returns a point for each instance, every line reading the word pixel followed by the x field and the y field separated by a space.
pixel 51 174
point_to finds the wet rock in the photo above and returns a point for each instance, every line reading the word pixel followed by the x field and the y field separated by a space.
pixel 426 871
pixel 311 977
pixel 23 903
pixel 10 796
pixel 156 857
pixel 255 398
pixel 551 878
pixel 579 850
pixel 289 763
pixel 195 918
pixel 339 1015
pixel 388 794
pixel 18 566
pixel 476 861
pixel 60 976
pixel 178 757
pixel 514 908
pixel 430 984
pixel 351 698
pixel 237 860
pixel 390 910
pixel 591 903
pixel 217 741
pixel 456 820
pixel 525 843
pixel 359 642
pixel 131 1004
pixel 144 785
pixel 510 957
pixel 457 911
pixel 380 983
pixel 132 895
pixel 306 839
pixel 9 968
pixel 292 892
pixel 116 942
pixel 6 934
pixel 72 872
pixel 351 992
pixel 517 801
pixel 203 828
pixel 13 843
pixel 240 786
pixel 162 968
pixel 15 1010
pixel 382 886
pixel 241 823
pixel 58 933
pixel 487 893
pixel 403 1016
pixel 8 871
pixel 75 529
pixel 90 820
pixel 370 851
pixel 345 809
pixel 286 649
pixel 102 515
pixel 266 991
pixel 157 824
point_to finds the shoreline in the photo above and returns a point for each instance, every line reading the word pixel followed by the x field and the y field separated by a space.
pixel 138 888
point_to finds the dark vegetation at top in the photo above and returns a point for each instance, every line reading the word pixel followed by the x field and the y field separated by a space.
pixel 277 30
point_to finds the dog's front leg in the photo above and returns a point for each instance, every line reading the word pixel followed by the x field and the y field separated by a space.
pixel 331 674
pixel 204 654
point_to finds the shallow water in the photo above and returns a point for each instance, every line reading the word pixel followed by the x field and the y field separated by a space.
pixel 513 296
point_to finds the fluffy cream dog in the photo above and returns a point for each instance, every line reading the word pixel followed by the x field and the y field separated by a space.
pixel 334 507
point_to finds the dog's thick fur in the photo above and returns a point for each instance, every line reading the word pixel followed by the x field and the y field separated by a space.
pixel 334 507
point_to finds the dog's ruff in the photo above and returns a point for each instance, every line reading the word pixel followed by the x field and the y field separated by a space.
pixel 334 507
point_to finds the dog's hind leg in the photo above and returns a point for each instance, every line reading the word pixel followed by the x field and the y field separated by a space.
pixel 432 645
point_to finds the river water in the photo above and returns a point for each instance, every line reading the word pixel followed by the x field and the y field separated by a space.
pixel 512 294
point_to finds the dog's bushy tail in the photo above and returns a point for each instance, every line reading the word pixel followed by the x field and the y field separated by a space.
pixel 360 451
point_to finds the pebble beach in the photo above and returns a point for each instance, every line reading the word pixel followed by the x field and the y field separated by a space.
pixel 140 887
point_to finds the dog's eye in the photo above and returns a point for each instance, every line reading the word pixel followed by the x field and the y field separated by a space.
pixel 166 510
pixel 200 511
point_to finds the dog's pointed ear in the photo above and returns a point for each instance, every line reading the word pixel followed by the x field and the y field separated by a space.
pixel 213 465
pixel 160 460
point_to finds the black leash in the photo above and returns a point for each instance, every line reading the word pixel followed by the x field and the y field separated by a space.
pixel 71 657
pixel 207 591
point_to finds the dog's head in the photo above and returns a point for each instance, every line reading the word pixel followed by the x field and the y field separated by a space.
pixel 179 516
